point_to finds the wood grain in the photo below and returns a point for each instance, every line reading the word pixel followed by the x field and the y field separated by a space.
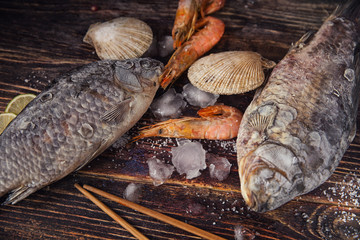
pixel 42 39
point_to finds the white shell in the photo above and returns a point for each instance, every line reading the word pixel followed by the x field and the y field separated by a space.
pixel 231 72
pixel 120 38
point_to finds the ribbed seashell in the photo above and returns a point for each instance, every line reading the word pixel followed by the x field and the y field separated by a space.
pixel 120 38
pixel 231 72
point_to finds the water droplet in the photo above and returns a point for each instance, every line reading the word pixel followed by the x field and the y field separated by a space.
pixel 349 74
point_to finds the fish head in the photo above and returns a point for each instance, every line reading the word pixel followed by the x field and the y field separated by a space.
pixel 138 74
pixel 270 176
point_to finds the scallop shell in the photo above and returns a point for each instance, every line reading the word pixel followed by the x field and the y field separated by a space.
pixel 120 38
pixel 231 72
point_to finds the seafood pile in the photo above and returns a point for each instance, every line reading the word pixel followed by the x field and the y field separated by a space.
pixel 289 141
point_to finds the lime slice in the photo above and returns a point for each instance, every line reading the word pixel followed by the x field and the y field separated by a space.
pixel 18 103
pixel 5 119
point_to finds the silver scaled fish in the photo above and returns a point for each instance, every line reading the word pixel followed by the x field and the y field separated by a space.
pixel 299 125
pixel 72 122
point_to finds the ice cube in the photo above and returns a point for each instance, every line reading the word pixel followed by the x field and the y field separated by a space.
pixel 219 167
pixel 243 233
pixel 133 192
pixel 195 209
pixel 165 46
pixel 169 105
pixel 189 158
pixel 159 171
pixel 197 97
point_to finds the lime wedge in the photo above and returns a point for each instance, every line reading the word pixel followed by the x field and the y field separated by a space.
pixel 18 103
pixel 5 119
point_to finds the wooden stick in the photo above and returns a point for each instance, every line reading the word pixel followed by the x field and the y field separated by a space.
pixel 197 231
pixel 112 214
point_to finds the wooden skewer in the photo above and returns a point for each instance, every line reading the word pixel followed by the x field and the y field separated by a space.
pixel 187 227
pixel 112 214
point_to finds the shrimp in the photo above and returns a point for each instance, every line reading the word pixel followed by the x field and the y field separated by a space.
pixel 219 122
pixel 191 50
pixel 187 15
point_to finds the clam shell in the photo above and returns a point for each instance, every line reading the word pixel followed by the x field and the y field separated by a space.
pixel 120 38
pixel 231 72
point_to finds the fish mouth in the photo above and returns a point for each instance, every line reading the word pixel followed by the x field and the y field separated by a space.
pixel 258 189
pixel 266 186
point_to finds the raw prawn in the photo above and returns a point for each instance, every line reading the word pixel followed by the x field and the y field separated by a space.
pixel 217 122
pixel 191 50
pixel 187 15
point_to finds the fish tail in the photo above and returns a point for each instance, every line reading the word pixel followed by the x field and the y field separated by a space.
pixel 349 10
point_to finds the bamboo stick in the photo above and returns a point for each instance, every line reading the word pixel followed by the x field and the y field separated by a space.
pixel 112 214
pixel 174 222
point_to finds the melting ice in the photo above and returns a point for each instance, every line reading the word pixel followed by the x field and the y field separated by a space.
pixel 133 192
pixel 162 47
pixel 169 105
pixel 159 171
pixel 242 233
pixel 166 46
pixel 188 158
pixel 219 167
pixel 197 97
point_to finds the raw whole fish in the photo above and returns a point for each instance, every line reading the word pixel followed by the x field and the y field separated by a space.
pixel 299 125
pixel 72 122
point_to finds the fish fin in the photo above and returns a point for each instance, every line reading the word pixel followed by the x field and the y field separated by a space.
pixel 349 10
pixel 261 122
pixel 116 113
pixel 302 41
pixel 19 194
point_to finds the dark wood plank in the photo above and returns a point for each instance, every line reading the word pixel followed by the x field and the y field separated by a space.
pixel 43 39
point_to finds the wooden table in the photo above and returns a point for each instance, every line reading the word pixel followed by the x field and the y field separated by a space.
pixel 42 39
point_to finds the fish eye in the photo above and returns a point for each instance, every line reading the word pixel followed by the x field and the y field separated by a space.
pixel 46 97
pixel 145 64
pixel 125 64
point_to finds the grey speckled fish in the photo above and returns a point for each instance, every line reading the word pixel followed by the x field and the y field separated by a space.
pixel 299 125
pixel 74 121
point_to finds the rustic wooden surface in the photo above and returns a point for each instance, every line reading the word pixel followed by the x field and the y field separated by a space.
pixel 43 39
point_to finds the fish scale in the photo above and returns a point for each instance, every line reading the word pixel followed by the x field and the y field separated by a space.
pixel 72 122
pixel 308 107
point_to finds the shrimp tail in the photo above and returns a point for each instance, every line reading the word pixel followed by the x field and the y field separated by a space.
pixel 214 6
pixel 212 111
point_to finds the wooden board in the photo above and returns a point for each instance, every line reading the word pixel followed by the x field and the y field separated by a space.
pixel 42 39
